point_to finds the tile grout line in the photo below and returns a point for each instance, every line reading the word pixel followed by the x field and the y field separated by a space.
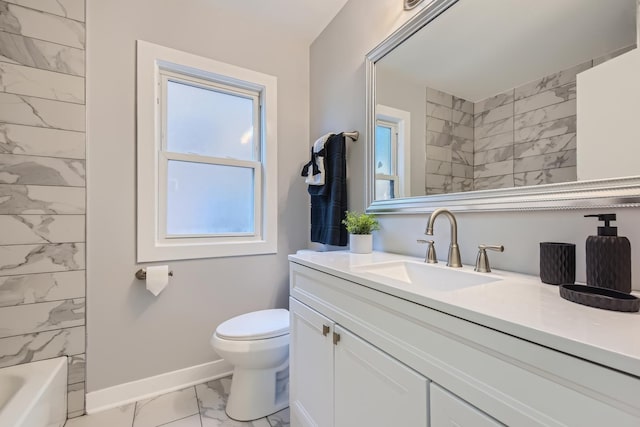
pixel 198 403
pixel 3 123
pixel 83 103
pixel 83 159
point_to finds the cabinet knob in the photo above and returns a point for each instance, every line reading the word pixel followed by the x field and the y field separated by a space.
pixel 325 330
pixel 336 338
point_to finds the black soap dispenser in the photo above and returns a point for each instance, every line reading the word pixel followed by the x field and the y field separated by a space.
pixel 608 257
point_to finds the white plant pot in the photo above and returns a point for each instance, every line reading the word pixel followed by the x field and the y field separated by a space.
pixel 361 243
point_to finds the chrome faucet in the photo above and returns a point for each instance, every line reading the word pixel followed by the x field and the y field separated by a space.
pixel 454 252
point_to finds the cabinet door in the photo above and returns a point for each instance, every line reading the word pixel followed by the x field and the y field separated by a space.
pixel 448 410
pixel 310 367
pixel 373 389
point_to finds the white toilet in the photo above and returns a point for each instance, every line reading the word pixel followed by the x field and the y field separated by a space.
pixel 257 345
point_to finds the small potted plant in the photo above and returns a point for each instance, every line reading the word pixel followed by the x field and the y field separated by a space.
pixel 360 226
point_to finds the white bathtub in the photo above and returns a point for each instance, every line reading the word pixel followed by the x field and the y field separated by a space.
pixel 34 394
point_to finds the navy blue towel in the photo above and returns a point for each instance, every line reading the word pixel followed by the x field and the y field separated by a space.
pixel 329 201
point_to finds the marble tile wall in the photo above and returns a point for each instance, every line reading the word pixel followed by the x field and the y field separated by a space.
pixel 42 186
pixel 449 139
pixel 523 136
pixel 527 135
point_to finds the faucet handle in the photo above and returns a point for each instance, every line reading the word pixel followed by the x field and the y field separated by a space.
pixel 430 256
pixel 482 261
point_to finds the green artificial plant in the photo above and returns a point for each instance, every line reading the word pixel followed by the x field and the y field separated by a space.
pixel 360 223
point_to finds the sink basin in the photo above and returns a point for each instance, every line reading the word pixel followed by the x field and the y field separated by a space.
pixel 427 275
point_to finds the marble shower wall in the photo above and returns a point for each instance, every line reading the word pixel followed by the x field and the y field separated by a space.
pixel 523 136
pixel 42 186
pixel 449 138
pixel 527 135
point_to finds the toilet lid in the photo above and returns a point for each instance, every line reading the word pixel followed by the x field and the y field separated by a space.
pixel 256 325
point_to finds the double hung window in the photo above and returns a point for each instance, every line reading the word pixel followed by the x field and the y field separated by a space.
pixel 206 159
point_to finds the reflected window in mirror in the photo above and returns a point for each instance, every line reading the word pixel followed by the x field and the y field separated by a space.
pixel 386 160
pixel 392 148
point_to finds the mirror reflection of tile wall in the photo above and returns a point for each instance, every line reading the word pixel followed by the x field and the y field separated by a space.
pixel 523 136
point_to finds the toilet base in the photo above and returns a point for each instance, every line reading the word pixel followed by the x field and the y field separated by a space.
pixel 256 393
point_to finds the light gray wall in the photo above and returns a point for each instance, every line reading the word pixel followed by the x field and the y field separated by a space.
pixel 42 187
pixel 132 334
pixel 337 99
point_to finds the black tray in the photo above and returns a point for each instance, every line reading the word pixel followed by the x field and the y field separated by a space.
pixel 600 297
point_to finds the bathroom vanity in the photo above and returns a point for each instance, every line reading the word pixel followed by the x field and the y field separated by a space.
pixel 386 340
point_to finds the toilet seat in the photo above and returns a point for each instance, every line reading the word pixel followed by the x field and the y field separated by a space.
pixel 258 325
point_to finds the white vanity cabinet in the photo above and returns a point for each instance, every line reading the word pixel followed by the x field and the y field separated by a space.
pixel 390 345
pixel 337 379
pixel 448 410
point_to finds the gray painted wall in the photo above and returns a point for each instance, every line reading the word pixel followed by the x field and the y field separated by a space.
pixel 132 334
pixel 337 100
pixel 42 186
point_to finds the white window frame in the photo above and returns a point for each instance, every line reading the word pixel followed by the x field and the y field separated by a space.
pixel 155 66
pixel 393 177
pixel 402 121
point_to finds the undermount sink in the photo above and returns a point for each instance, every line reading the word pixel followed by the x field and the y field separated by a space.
pixel 427 275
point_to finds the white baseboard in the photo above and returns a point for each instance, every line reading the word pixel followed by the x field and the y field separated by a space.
pixel 146 388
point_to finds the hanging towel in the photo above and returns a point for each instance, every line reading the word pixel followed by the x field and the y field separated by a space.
pixel 329 201
pixel 314 171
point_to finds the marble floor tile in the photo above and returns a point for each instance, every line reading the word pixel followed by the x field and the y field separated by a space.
pixel 166 408
pixel 280 419
pixel 191 421
pixel 116 417
pixel 212 399
pixel 199 406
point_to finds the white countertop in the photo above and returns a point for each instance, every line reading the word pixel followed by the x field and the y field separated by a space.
pixel 519 305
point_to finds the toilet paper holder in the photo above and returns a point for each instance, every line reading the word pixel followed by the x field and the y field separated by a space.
pixel 142 274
